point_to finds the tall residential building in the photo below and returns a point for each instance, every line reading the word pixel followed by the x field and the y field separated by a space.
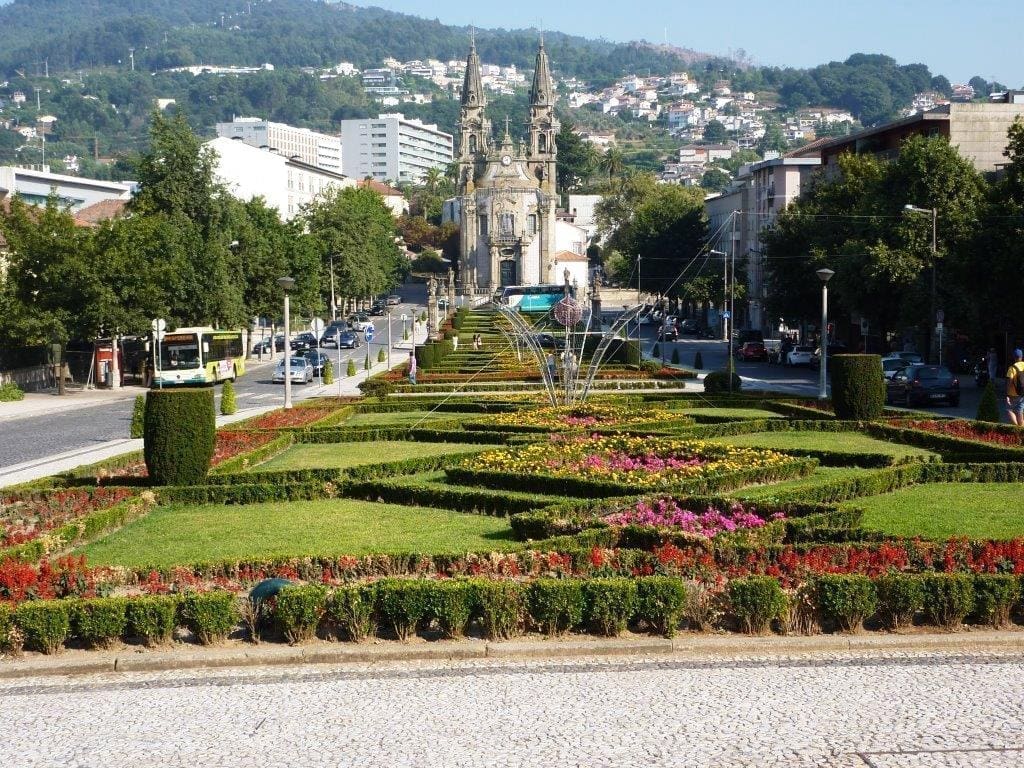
pixel 316 149
pixel 392 148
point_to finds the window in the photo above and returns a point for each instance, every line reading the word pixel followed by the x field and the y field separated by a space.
pixel 542 143
pixel 483 226
pixel 531 224
pixel 506 224
pixel 472 143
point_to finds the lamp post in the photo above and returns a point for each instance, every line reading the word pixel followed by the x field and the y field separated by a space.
pixel 934 213
pixel 824 275
pixel 287 284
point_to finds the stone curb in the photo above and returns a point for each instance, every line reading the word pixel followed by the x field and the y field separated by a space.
pixel 684 646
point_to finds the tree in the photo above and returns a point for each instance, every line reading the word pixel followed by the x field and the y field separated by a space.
pixel 714 132
pixel 715 179
pixel 577 159
pixel 612 162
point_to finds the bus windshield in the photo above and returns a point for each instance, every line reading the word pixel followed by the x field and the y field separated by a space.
pixel 533 298
pixel 180 355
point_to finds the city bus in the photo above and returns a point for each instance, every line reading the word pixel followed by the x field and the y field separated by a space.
pixel 199 356
pixel 533 298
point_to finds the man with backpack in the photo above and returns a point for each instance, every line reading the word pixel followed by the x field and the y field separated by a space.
pixel 1015 389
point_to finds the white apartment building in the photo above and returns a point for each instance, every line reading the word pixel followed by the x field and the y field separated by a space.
pixel 286 184
pixel 35 186
pixel 393 148
pixel 310 147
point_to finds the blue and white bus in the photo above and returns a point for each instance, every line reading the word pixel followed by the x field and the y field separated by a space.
pixel 533 298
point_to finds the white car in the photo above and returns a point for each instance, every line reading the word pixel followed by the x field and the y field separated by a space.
pixel 301 371
pixel 359 323
pixel 799 356
pixel 895 363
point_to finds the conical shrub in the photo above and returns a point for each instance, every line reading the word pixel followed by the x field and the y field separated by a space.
pixel 351 369
pixel 138 417
pixel 381 356
pixel 228 404
pixel 328 372
pixel 675 357
pixel 698 361
pixel 988 406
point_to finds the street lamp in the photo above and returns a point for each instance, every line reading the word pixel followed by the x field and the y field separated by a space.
pixel 934 213
pixel 287 284
pixel 824 275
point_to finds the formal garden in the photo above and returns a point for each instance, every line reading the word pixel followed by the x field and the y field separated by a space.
pixel 419 517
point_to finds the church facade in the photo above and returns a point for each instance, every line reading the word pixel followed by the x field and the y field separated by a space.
pixel 506 192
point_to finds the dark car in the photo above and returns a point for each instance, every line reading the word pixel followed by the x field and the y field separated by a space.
pixel 918 385
pixel 348 340
pixel 668 333
pixel 689 326
pixel 550 341
pixel 317 359
pixel 304 341
pixel 378 309
pixel 753 350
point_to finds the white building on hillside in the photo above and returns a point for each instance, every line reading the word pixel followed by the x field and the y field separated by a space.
pixel 394 149
pixel 312 148
pixel 286 184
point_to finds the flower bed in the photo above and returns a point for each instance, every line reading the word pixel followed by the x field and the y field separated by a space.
pixel 230 444
pixel 26 519
pixel 583 416
pixel 289 418
pixel 640 462
pixel 964 430
pixel 666 513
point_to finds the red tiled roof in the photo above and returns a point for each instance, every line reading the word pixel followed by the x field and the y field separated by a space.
pixel 381 188
pixel 570 256
pixel 102 211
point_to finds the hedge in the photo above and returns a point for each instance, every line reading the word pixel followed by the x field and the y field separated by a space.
pixel 756 601
pixel 210 616
pixel 858 386
pixel 99 622
pixel 260 454
pixel 718 381
pixel 180 432
pixel 845 600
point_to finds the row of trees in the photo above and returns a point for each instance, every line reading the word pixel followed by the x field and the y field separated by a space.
pixel 187 251
pixel 856 223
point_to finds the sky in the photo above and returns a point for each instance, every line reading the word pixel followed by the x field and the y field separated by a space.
pixel 955 39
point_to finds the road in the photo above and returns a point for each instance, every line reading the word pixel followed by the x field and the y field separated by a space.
pixel 906 710
pixel 34 437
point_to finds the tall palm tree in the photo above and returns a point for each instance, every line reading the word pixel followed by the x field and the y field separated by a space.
pixel 612 162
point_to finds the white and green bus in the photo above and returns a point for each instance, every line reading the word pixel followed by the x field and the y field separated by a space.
pixel 199 356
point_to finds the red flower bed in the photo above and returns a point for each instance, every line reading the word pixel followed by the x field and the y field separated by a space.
pixel 963 430
pixel 64 577
pixel 231 444
pixel 292 417
pixel 24 520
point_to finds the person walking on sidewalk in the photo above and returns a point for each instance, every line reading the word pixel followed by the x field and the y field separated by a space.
pixel 1015 388
pixel 412 367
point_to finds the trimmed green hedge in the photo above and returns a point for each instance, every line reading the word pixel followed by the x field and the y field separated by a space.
pixel 858 386
pixel 180 432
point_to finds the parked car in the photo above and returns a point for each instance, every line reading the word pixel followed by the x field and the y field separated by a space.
pixel 550 341
pixel 910 357
pixel 799 356
pixel 834 348
pixel 394 299
pixel 378 309
pixel 753 351
pixel 689 326
pixel 442 303
pixel 895 363
pixel 331 333
pixel 359 322
pixel 918 385
pixel 263 347
pixel 349 340
pixel 318 360
pixel 301 371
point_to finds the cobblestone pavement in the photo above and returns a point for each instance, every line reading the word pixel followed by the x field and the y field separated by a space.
pixel 835 711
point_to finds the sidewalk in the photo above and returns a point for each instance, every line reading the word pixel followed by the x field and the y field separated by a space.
pixel 43 403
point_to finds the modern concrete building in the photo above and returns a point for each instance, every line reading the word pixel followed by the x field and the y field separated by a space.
pixel 394 149
pixel 310 147
pixel 977 129
pixel 75 192
pixel 286 184
pixel 739 216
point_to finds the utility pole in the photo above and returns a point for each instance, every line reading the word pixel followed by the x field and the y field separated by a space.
pixel 131 56
pixel 46 68
pixel 39 107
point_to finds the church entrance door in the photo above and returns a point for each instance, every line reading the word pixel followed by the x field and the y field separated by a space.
pixel 508 273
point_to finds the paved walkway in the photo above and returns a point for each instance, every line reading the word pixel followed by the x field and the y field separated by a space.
pixel 821 711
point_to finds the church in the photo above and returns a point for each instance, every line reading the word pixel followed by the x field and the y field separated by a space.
pixel 506 194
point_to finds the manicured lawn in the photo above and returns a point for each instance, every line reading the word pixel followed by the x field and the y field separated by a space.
pixel 837 442
pixel 180 534
pixel 818 477
pixel 941 510
pixel 399 417
pixel 344 455
pixel 733 413
pixel 439 480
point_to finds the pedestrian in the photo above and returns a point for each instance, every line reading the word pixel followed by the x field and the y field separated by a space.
pixel 1015 389
pixel 455 342
pixel 412 367
pixel 478 341
pixel 552 368
pixel 992 360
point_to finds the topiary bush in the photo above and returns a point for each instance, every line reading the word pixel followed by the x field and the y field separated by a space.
pixel 350 369
pixel 451 603
pixel 228 403
pixel 152 618
pixel 366 362
pixel 611 603
pixel 298 611
pixel 556 605
pixel 210 616
pixel 99 622
pixel 661 601
pixel 656 350
pixel 377 387
pixel 858 387
pixel 44 624
pixel 402 604
pixel 718 381
pixel 845 600
pixel 351 609
pixel 756 601
pixel 381 355
pixel 138 426
pixel 900 598
pixel 6 625
pixel 180 430
pixel 675 357
pixel 328 372
pixel 995 594
pixel 698 361
pixel 501 605
pixel 948 598
pixel 988 406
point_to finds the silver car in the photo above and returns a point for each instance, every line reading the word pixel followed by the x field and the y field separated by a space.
pixel 301 371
